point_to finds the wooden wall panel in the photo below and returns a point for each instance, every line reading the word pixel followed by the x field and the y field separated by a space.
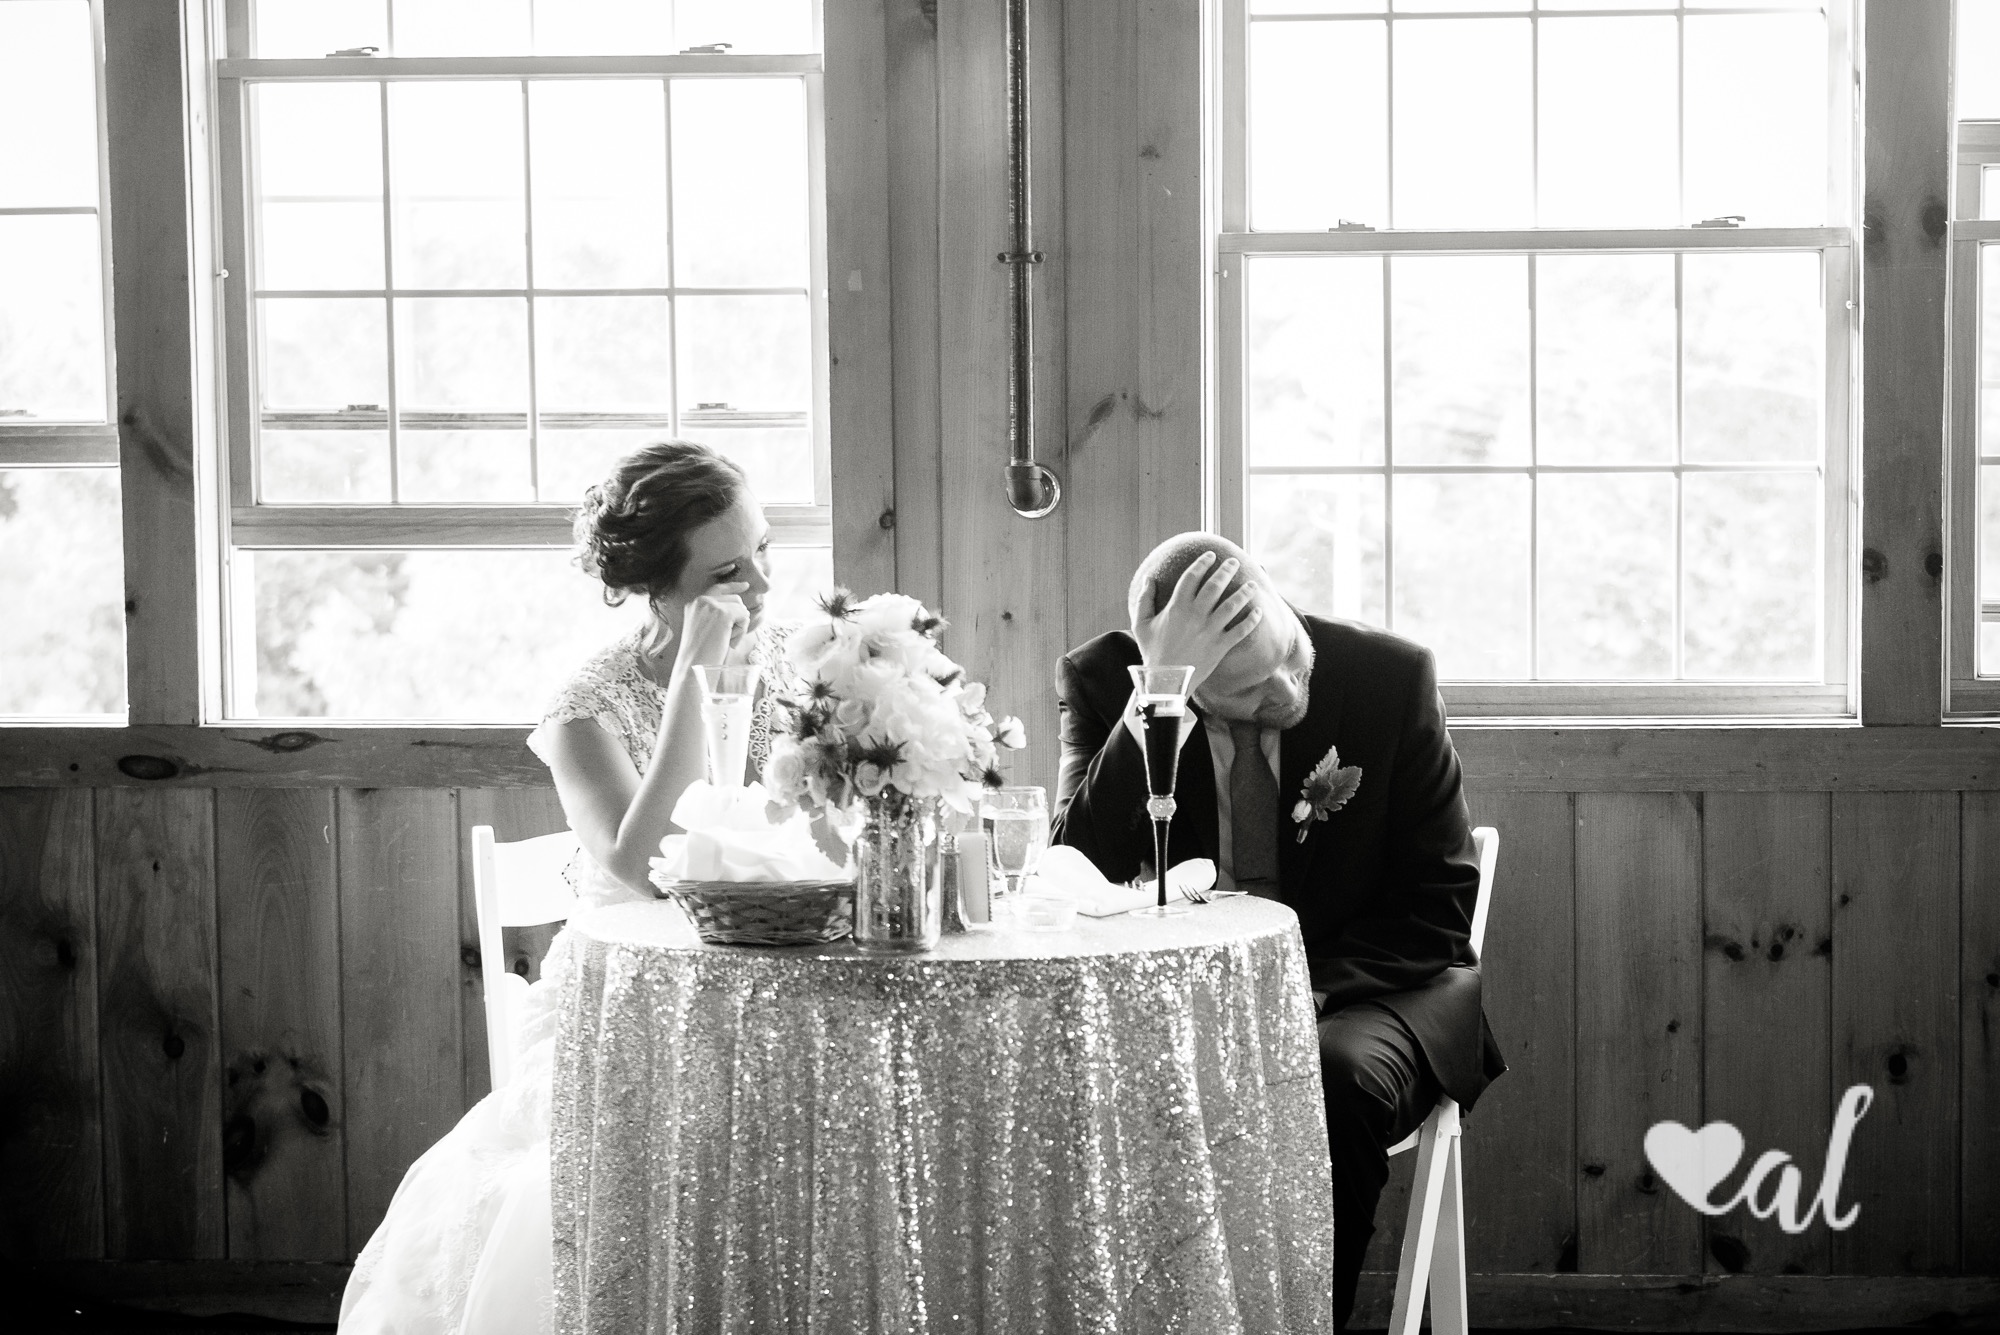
pixel 1979 1031
pixel 1520 1139
pixel 913 246
pixel 1638 1024
pixel 514 813
pixel 1895 1026
pixel 158 1037
pixel 278 925
pixel 1002 577
pixel 401 990
pixel 51 1149
pixel 1765 976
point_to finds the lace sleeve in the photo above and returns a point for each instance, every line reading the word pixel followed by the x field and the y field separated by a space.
pixel 781 682
pixel 611 691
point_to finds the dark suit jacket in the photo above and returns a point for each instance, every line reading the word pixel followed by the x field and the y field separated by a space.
pixel 1384 888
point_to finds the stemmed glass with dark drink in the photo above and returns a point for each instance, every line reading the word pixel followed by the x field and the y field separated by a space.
pixel 1162 693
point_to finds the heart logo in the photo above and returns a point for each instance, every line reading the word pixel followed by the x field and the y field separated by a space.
pixel 1692 1162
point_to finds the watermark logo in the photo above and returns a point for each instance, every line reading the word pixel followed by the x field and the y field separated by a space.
pixel 1694 1163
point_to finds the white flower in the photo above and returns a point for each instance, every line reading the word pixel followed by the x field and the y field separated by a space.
pixel 1302 811
pixel 869 778
pixel 1011 733
pixel 972 698
pixel 784 772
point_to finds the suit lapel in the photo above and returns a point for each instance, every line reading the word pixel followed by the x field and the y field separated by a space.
pixel 1194 790
pixel 1302 747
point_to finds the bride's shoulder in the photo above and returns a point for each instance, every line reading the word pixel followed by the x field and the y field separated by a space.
pixel 609 674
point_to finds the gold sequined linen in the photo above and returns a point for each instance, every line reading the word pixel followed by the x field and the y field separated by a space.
pixel 1114 1129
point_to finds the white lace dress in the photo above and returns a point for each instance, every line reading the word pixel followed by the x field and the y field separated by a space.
pixel 465 1246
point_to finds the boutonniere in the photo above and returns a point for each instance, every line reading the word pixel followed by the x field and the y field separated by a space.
pixel 1326 791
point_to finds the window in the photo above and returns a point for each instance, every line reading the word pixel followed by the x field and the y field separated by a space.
pixel 62 578
pixel 1972 644
pixel 1535 332
pixel 478 253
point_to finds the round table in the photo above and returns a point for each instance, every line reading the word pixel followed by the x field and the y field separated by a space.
pixel 1114 1128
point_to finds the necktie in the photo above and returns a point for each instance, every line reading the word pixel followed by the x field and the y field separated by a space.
pixel 1253 814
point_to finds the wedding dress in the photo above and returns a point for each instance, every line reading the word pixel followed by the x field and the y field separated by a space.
pixel 465 1246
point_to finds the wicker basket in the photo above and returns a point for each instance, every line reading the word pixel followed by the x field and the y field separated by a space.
pixel 766 913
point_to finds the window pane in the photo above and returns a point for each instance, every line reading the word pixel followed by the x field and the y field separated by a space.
pixel 1608 123
pixel 1604 344
pixel 1989 566
pixel 1313 385
pixel 603 354
pixel 466 467
pixel 323 353
pixel 51 318
pixel 1756 118
pixel 458 171
pixel 318 170
pixel 779 461
pixel 740 217
pixel 1459 339
pixel 600 199
pixel 1977 91
pixel 603 27
pixel 398 635
pixel 324 467
pixel 782 26
pixel 1752 553
pixel 1319 125
pixel 799 576
pixel 1989 351
pixel 1461 571
pixel 1606 597
pixel 62 604
pixel 1463 115
pixel 1754 356
pixel 752 354
pixel 48 81
pixel 1321 538
pixel 462 354
pixel 313 28
pixel 573 459
pixel 461 27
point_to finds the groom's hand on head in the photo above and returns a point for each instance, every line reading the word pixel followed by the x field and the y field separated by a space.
pixel 1201 621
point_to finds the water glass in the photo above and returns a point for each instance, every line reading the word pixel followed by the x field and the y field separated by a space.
pixel 1017 829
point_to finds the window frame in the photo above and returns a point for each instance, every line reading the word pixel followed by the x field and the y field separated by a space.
pixel 1834 698
pixel 33 443
pixel 1968 693
pixel 248 524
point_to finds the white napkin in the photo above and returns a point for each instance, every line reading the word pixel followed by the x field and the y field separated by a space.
pixel 1067 873
pixel 731 837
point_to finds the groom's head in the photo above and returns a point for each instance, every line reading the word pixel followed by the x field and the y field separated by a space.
pixel 1263 678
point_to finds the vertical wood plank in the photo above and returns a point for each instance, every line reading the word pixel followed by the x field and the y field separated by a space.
pixel 161 1054
pixel 1895 1026
pixel 401 1032
pixel 1133 228
pixel 913 241
pixel 514 813
pixel 1638 1024
pixel 51 1151
pixel 1979 1031
pixel 153 317
pixel 1907 131
pixel 278 926
pixel 1002 576
pixel 1520 1139
pixel 1765 1030
pixel 858 293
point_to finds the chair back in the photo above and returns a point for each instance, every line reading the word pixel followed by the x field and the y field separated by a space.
pixel 518 884
pixel 1487 840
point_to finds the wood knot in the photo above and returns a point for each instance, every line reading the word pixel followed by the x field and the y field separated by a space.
pixel 469 957
pixel 65 955
pixel 1729 1253
pixel 313 1105
pixel 1874 565
pixel 1648 1184
pixel 1899 1068
pixel 1593 1170
pixel 148 768
pixel 174 1046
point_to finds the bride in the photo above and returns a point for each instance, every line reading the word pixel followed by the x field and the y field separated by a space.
pixel 465 1246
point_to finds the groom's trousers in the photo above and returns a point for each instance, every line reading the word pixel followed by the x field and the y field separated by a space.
pixel 1378 1089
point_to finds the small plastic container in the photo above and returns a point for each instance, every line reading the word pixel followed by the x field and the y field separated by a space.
pixel 1039 913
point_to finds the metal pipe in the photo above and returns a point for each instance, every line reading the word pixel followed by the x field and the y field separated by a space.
pixel 1032 489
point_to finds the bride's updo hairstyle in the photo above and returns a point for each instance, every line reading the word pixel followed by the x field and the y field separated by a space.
pixel 632 530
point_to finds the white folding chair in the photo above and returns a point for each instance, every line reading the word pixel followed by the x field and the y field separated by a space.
pixel 514 885
pixel 1434 1232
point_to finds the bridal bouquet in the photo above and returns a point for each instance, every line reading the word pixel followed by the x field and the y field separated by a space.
pixel 885 717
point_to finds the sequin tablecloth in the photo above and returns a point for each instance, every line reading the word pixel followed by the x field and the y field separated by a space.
pixel 1118 1128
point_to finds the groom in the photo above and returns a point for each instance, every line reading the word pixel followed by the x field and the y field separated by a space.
pixel 1384 887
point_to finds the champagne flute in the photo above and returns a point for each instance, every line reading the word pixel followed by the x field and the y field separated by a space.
pixel 726 694
pixel 1161 694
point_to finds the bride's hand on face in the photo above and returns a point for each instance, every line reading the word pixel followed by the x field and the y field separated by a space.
pixel 714 626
